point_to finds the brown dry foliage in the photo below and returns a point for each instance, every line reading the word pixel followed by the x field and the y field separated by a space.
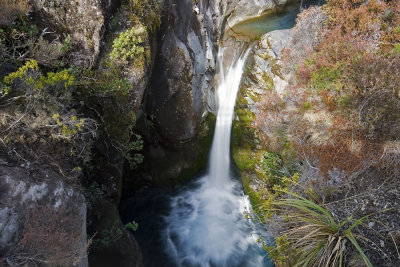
pixel 12 9
pixel 270 119
pixel 53 237
pixel 306 37
pixel 357 39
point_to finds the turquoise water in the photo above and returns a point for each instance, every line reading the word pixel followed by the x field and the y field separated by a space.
pixel 252 28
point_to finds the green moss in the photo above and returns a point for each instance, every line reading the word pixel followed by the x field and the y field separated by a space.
pixel 327 78
pixel 252 159
pixel 253 196
pixel 243 159
pixel 148 12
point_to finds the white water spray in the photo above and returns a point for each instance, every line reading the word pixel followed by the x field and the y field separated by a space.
pixel 206 225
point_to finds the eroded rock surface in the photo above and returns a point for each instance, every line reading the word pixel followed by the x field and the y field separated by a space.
pixel 84 20
pixel 42 218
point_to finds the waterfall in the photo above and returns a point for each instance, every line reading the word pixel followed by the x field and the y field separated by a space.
pixel 228 88
pixel 206 224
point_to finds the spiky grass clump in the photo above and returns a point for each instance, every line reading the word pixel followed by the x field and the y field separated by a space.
pixel 317 238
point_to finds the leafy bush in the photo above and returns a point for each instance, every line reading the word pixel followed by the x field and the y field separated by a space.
pixel 133 154
pixel 147 11
pixel 30 78
pixel 39 106
pixel 127 46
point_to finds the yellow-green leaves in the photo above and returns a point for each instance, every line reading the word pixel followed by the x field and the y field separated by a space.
pixel 127 45
pixel 30 75
pixel 22 72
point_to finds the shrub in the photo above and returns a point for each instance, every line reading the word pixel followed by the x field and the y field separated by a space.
pixel 347 71
pixel 29 77
pixel 127 46
pixel 50 53
pixel 316 238
pixel 18 41
pixel 148 12
pixel 12 9
pixel 39 106
pixel 51 242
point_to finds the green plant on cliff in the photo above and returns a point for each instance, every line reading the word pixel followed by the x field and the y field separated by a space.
pixel 316 237
pixel 133 149
pixel 115 232
pixel 127 46
pixel 147 11
pixel 39 106
pixel 29 74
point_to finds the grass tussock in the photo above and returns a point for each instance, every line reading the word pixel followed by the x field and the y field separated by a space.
pixel 317 238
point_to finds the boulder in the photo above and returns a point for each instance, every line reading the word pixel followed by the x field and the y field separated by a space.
pixel 84 20
pixel 42 218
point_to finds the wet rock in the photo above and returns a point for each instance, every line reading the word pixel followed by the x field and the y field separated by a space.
pixel 180 92
pixel 246 9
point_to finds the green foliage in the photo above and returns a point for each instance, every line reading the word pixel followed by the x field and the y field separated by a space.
pixel 62 77
pixel 316 238
pixel 272 166
pixel 326 78
pixel 345 101
pixel 396 49
pixel 115 232
pixel 22 73
pixel 117 85
pixel 133 226
pixel 279 251
pixel 307 105
pixel 148 12
pixel 93 193
pixel 26 27
pixel 134 158
pixel 127 46
pixel 30 75
pixel 70 126
pixel 66 45
pixel 109 82
pixel 4 89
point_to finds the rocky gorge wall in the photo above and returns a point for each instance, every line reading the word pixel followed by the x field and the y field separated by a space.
pixel 170 100
pixel 180 103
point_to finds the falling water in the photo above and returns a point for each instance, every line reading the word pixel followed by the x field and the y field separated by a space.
pixel 206 225
pixel 203 224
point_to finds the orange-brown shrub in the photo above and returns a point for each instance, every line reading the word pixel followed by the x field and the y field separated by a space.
pixel 52 237
pixel 354 74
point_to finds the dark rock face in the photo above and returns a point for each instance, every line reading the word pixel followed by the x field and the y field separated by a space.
pixel 124 250
pixel 180 88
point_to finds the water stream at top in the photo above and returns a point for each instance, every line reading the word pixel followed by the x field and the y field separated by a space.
pixel 206 225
